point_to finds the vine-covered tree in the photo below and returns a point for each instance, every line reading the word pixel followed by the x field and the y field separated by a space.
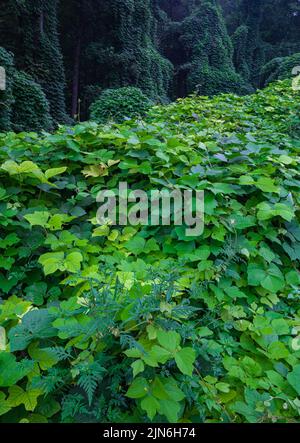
pixel 198 44
pixel 23 104
pixel 6 96
pixel 262 30
pixel 42 56
pixel 116 43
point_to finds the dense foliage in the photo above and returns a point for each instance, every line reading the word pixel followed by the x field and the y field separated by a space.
pixel 6 97
pixel 41 54
pixel 113 323
pixel 280 68
pixel 118 104
pixel 207 52
pixel 76 49
pixel 24 106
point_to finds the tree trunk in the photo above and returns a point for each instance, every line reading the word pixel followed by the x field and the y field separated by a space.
pixel 41 22
pixel 75 86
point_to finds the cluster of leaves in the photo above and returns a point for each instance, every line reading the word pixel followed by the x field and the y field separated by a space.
pixel 139 324
pixel 118 104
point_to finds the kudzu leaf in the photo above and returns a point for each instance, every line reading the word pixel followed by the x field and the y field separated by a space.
pixel 266 184
pixel 169 340
pixel 170 409
pixel 72 263
pixel 52 261
pixel 151 405
pixel 35 324
pixel 54 171
pixel 138 367
pixel 4 406
pixel 18 396
pixel 12 371
pixel 294 378
pixel 38 218
pixel 185 360
pixel 138 389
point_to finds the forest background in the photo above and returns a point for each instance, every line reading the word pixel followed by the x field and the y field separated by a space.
pixel 61 55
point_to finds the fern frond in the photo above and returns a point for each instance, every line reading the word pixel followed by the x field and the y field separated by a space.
pixel 90 376
pixel 73 405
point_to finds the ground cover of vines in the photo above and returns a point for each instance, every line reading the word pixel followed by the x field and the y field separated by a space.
pixel 141 324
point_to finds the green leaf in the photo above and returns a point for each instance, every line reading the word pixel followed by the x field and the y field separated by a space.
pixel 4 405
pixel 6 263
pixel 204 331
pixel 138 389
pixel 170 409
pixel 174 393
pixel 185 360
pixel 157 355
pixel 294 378
pixel 35 324
pixel 38 218
pixel 273 280
pixel 264 211
pixel 12 371
pixel 158 389
pixel 72 263
pixel 101 231
pixel 223 387
pixel 256 274
pixel 267 185
pixel 9 240
pixel 235 292
pixel 293 278
pixel 169 340
pixel 284 211
pixel 138 367
pixel 52 262
pixel 285 159
pixel 277 350
pixel 54 171
pixel 151 405
pixel 18 396
pixel 136 245
pixel 45 357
